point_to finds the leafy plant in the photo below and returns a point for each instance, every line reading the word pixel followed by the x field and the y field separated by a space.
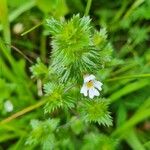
pixel 66 49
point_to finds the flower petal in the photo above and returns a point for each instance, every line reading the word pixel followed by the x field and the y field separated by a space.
pixel 91 93
pixel 84 90
pixel 98 85
pixel 96 92
pixel 88 78
pixel 8 106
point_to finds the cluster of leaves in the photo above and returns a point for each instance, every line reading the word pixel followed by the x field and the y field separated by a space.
pixel 77 48
pixel 96 111
pixel 43 133
pixel 57 97
pixel 100 142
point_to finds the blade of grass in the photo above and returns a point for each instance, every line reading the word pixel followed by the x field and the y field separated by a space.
pixel 123 69
pixel 4 20
pixel 136 4
pixel 31 29
pixel 12 128
pixel 128 77
pixel 88 6
pixel 23 8
pixel 5 71
pixel 132 139
pixel 7 137
pixel 128 89
pixel 7 55
pixel 21 78
pixel 24 111
pixel 43 47
pixel 135 119
pixel 17 12
pixel 131 122
pixel 30 108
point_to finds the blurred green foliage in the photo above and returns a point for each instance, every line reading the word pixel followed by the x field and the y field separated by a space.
pixel 126 78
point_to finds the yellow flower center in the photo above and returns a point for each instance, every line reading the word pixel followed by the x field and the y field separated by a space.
pixel 89 84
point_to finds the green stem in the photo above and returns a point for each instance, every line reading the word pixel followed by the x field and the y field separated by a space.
pixel 28 109
pixel 136 4
pixel 43 47
pixel 129 88
pixel 132 139
pixel 88 6
pixel 4 20
pixel 120 12
pixel 17 12
pixel 24 111
pixel 138 117
pixel 31 29
pixel 129 77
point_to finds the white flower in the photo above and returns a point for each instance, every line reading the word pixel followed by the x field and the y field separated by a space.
pixel 18 28
pixel 8 106
pixel 91 86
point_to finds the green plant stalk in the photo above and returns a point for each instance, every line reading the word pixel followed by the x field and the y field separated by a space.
pixel 31 29
pixel 12 62
pixel 23 8
pixel 88 6
pixel 129 77
pixel 12 128
pixel 132 122
pixel 144 106
pixel 128 89
pixel 7 55
pixel 30 108
pixel 123 69
pixel 6 71
pixel 136 4
pixel 120 12
pixel 4 20
pixel 43 47
pixel 17 12
pixel 141 114
pixel 133 140
pixel 24 111
pixel 7 137
pixel 19 143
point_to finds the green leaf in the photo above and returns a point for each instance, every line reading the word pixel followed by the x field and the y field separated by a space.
pixel 133 140
pixel 43 133
pixel 39 70
pixel 96 111
pixel 57 98
pixel 57 8
pixel 77 126
pixel 93 141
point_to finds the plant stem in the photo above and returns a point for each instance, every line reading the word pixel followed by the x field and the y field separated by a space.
pixel 136 4
pixel 129 77
pixel 31 29
pixel 24 111
pixel 88 6
pixel 5 22
pixel 21 53
pixel 28 109
pixel 137 117
pixel 18 11
pixel 43 47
